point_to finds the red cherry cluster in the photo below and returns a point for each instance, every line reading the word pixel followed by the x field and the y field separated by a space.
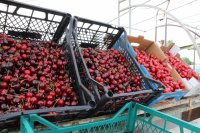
pixel 158 70
pixel 110 68
pixel 32 76
pixel 184 70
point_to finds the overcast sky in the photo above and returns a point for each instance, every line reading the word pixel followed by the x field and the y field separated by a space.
pixel 187 11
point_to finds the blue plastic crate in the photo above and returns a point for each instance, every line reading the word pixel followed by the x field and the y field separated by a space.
pixel 123 47
pixel 123 42
pixel 146 73
pixel 177 95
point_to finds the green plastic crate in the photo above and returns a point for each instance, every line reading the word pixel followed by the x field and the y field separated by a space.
pixel 132 118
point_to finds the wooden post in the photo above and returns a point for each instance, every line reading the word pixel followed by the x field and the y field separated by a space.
pixel 189 110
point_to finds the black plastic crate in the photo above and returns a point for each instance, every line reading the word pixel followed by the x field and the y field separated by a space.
pixel 67 113
pixel 35 28
pixel 87 33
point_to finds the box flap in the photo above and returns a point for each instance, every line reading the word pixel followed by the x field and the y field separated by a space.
pixel 174 50
pixel 148 46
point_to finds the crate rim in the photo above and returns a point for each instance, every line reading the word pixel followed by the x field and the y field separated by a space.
pixel 25 5
pixel 120 28
pixel 57 34
pixel 98 22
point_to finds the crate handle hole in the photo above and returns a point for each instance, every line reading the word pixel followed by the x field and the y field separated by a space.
pixel 135 44
pixel 24 11
pixel 92 104
pixel 110 94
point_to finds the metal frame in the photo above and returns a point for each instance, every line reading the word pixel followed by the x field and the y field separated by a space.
pixel 174 25
pixel 129 12
pixel 182 25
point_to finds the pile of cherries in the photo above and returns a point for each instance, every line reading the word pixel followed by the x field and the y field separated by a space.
pixel 158 70
pixel 33 76
pixel 183 69
pixel 111 69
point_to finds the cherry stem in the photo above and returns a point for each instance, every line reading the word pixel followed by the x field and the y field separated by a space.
pixel 51 85
pixel 55 102
pixel 22 103
pixel 7 71
pixel 38 88
pixel 9 109
pixel 24 89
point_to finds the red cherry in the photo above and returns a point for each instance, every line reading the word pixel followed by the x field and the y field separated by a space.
pixel 3 35
pixel 3 85
pixel 4 92
pixel 74 103
pixel 42 85
pixel 5 48
pixel 18 46
pixel 60 102
pixel 24 47
pixel 32 70
pixel 57 91
pixel 41 91
pixel 38 95
pixel 41 103
pixel 52 93
pixel 59 63
pixel 49 103
pixel 13 49
pixel 42 79
pixel 34 100
pixel 99 79
pixel 24 56
pixel 47 70
pixel 6 78
pixel 26 76
pixel 56 84
pixel 28 106
pixel 16 100
pixel 27 72
pixel 49 97
pixel 29 94
pixel 21 96
pixel 68 90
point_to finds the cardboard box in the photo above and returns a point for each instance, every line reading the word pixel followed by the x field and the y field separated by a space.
pixel 170 48
pixel 177 77
pixel 148 46
pixel 192 85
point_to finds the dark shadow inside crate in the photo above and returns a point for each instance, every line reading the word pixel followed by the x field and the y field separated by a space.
pixel 88 45
pixel 31 35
